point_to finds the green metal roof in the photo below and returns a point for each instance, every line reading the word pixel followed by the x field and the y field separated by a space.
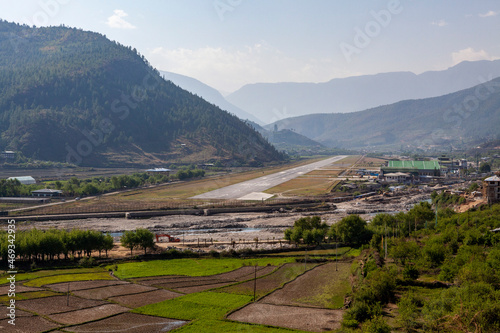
pixel 419 165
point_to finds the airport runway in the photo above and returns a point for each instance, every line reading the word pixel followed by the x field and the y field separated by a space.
pixel 252 189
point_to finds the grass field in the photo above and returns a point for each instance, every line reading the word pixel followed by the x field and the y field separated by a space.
pixel 219 326
pixel 204 305
pixel 38 282
pixel 190 267
pixel 28 295
pixel 303 186
pixel 43 273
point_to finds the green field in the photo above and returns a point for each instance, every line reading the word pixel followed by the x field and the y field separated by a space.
pixel 204 305
pixel 28 295
pixel 38 282
pixel 190 267
pixel 38 274
pixel 219 326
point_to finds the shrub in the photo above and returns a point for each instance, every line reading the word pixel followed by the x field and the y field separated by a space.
pixel 410 272
pixel 376 325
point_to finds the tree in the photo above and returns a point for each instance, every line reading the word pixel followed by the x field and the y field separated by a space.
pixel 485 168
pixel 420 214
pixel 129 240
pixel 310 229
pixel 352 229
pixel 108 243
pixel 145 239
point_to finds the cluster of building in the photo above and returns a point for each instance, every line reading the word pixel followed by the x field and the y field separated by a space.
pixel 406 172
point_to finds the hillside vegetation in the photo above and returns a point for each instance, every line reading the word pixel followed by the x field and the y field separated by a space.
pixel 75 96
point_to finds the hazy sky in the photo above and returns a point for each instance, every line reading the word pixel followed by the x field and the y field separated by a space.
pixel 229 43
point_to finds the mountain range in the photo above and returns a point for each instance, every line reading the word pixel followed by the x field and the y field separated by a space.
pixel 271 102
pixel 75 96
pixel 208 93
pixel 458 119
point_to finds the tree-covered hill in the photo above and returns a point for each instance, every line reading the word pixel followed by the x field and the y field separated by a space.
pixel 71 95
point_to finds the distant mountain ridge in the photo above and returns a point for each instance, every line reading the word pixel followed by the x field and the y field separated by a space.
pixel 274 101
pixel 452 120
pixel 72 95
pixel 208 93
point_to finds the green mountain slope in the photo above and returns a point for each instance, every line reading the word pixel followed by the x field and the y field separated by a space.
pixel 71 95
pixel 456 119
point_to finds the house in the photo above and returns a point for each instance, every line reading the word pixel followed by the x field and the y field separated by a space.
pixel 25 180
pixel 8 155
pixel 46 193
pixel 491 188
pixel 397 177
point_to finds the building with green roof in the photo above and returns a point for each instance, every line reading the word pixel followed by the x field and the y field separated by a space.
pixel 416 168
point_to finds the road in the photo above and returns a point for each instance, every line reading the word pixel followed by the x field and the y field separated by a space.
pixel 252 189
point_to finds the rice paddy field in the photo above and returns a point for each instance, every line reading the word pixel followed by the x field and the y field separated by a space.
pixel 181 295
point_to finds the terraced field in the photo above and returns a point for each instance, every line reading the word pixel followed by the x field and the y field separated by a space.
pixel 93 300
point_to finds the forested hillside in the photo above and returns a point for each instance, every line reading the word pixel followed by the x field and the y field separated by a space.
pixel 71 95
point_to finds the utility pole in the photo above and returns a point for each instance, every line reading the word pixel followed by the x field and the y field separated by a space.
pixel 336 254
pixel 255 282
pixel 67 298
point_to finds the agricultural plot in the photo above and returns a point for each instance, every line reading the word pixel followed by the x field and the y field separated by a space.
pixel 110 291
pixel 142 299
pixel 142 307
pixel 129 322
pixel 205 305
pixel 89 314
pixel 38 282
pixel 293 317
pixel 189 285
pixel 322 287
pixel 57 304
pixel 31 324
pixel 270 282
pixel 190 267
pixel 81 285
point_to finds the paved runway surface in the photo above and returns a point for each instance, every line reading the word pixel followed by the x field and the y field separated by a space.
pixel 257 185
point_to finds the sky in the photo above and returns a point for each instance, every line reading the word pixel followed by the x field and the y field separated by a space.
pixel 229 43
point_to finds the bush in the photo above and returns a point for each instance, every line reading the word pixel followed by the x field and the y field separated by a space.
pixel 409 311
pixel 87 262
pixel 376 325
pixel 410 272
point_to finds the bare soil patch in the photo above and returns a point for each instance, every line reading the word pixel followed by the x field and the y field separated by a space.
pixel 150 297
pixel 4 289
pixel 90 314
pixel 57 304
pixel 27 325
pixel 312 289
pixel 81 285
pixel 110 291
pixel 130 323
pixel 197 289
pixel 268 283
pixel 300 318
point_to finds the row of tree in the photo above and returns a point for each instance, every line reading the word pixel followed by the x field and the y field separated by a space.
pixel 49 244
